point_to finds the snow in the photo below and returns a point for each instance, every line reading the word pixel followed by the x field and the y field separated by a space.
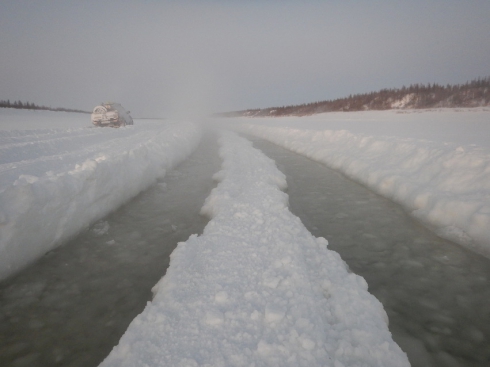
pixel 460 126
pixel 56 181
pixel 18 119
pixel 256 288
pixel 403 102
pixel 434 163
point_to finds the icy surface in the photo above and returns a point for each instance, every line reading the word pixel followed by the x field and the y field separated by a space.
pixel 55 182
pixel 71 307
pixel 435 292
pixel 257 288
pixel 443 184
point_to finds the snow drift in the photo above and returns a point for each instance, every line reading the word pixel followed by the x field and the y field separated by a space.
pixel 257 288
pixel 444 185
pixel 55 182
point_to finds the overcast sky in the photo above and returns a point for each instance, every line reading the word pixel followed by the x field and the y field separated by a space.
pixel 161 57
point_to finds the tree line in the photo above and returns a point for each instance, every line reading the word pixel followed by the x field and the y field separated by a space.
pixel 33 106
pixel 475 93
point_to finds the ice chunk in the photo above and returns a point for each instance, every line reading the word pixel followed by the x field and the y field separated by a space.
pixel 101 228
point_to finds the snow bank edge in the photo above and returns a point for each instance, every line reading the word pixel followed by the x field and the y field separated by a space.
pixel 39 213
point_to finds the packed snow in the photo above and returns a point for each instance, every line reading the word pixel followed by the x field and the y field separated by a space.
pixel 434 163
pixel 56 181
pixel 257 289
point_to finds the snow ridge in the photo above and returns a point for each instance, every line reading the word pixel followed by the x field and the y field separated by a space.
pixel 257 289
pixel 54 183
pixel 444 185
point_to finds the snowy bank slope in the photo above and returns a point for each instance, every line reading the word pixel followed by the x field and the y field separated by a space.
pixel 55 182
pixel 445 185
pixel 19 119
pixel 257 289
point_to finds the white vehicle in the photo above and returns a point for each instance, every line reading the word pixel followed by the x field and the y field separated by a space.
pixel 111 114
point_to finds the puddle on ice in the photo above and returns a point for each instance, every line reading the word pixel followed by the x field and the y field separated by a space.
pixel 436 293
pixel 73 305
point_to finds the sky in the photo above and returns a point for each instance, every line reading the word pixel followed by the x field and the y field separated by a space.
pixel 167 58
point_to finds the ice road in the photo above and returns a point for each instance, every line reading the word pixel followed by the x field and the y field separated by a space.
pixel 71 307
pixel 436 164
pixel 434 291
pixel 54 182
pixel 302 307
pixel 257 288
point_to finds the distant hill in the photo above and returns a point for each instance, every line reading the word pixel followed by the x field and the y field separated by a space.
pixel 417 96
pixel 32 106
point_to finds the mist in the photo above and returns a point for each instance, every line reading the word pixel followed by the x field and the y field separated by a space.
pixel 187 58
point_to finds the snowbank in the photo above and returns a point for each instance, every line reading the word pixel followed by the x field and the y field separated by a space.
pixel 19 119
pixel 55 182
pixel 257 289
pixel 445 185
pixel 460 126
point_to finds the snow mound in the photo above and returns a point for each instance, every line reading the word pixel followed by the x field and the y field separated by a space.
pixel 444 185
pixel 55 182
pixel 257 289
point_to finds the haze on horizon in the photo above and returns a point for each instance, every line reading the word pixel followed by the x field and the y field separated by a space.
pixel 160 58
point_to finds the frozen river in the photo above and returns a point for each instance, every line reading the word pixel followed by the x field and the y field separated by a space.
pixel 436 293
pixel 73 305
pixel 80 298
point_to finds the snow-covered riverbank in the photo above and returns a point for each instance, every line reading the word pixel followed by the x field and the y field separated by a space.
pixel 55 182
pixel 445 184
pixel 257 288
